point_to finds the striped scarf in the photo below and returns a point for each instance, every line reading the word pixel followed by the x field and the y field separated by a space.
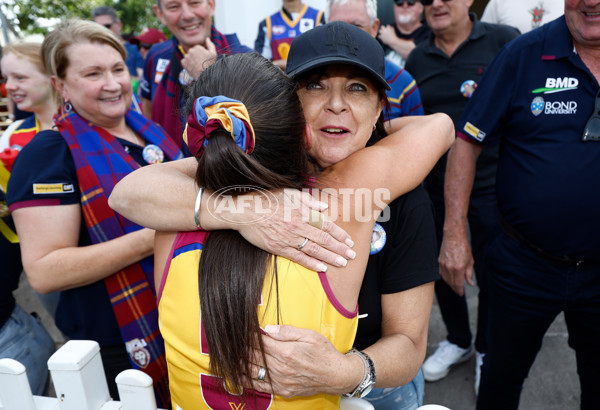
pixel 168 100
pixel 101 162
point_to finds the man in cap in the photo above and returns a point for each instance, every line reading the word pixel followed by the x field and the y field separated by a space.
pixel 147 38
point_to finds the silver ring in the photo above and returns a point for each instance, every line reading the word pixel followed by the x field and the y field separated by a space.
pixel 303 244
pixel 262 372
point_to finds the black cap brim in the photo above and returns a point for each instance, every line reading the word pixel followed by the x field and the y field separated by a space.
pixel 329 60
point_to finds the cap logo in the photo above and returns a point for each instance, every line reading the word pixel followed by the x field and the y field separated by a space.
pixel 338 37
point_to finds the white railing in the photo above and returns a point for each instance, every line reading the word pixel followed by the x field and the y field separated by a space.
pixel 80 384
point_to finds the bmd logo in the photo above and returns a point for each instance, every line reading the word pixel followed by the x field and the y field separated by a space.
pixel 556 85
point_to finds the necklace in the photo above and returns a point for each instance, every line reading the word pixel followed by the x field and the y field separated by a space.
pixel 135 136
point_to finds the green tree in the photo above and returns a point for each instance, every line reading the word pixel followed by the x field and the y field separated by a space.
pixel 38 16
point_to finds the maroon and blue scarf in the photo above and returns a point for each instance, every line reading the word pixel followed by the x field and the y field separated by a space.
pixel 101 162
pixel 168 99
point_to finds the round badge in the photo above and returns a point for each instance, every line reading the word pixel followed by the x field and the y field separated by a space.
pixel 185 78
pixel 468 88
pixel 378 238
pixel 153 154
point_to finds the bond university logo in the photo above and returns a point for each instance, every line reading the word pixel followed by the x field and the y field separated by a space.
pixel 552 86
pixel 537 106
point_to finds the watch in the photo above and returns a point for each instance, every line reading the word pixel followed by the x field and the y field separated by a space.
pixel 368 381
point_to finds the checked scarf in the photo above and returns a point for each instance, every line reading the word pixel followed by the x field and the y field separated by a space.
pixel 101 162
pixel 170 95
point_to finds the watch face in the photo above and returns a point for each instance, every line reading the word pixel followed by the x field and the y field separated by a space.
pixel 367 389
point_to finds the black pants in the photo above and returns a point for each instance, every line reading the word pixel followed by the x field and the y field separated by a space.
pixel 526 293
pixel 484 226
pixel 115 359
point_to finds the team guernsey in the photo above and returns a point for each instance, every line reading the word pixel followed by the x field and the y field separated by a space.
pixel 281 28
pixel 403 95
pixel 536 101
pixel 24 133
pixel 305 300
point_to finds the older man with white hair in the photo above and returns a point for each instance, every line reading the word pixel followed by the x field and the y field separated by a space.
pixel 404 94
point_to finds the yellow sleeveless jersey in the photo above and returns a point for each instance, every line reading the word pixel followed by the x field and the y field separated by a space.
pixel 305 300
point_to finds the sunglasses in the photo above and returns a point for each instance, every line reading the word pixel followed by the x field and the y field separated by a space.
pixel 430 2
pixel 400 3
pixel 145 45
pixel 591 131
pixel 108 25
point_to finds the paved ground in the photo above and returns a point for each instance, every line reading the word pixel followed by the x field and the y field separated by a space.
pixel 552 383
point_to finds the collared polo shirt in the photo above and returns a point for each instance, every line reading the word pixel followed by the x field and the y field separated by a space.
pixel 535 100
pixel 446 83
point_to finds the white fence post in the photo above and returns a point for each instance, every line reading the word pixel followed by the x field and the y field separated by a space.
pixel 136 390
pixel 15 392
pixel 78 376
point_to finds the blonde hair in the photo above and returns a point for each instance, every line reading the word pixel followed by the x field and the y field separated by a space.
pixel 55 54
pixel 30 51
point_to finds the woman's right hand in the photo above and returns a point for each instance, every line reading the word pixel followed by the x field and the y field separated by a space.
pixel 279 224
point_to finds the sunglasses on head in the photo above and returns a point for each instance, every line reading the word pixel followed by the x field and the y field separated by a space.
pixel 591 131
pixel 401 2
pixel 430 2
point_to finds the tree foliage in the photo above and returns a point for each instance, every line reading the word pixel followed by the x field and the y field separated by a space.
pixel 36 16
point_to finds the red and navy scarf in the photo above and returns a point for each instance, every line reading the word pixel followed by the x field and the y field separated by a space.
pixel 168 99
pixel 101 162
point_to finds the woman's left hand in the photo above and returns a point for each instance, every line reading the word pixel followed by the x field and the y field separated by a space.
pixel 285 229
pixel 303 362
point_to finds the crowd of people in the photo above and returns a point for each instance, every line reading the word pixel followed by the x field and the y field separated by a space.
pixel 393 163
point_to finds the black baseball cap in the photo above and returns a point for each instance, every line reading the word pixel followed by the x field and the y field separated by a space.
pixel 336 43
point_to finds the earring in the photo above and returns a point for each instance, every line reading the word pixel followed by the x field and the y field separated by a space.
pixel 374 126
pixel 67 107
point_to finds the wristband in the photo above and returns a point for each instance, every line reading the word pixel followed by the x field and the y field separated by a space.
pixel 197 207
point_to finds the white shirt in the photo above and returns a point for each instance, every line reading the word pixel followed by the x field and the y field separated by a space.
pixel 525 15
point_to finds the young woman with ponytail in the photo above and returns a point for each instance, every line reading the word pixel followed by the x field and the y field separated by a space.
pixel 217 293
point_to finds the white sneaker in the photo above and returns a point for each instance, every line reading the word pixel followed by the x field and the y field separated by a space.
pixel 478 363
pixel 447 355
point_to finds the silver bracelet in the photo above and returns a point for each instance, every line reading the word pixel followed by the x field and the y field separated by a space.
pixel 197 207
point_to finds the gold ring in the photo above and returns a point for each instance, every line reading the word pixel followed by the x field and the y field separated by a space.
pixel 316 219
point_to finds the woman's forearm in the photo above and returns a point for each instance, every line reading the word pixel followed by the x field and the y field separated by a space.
pixel 400 352
pixel 159 197
pixel 71 267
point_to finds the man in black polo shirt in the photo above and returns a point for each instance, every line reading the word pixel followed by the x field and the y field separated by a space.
pixel 447 68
